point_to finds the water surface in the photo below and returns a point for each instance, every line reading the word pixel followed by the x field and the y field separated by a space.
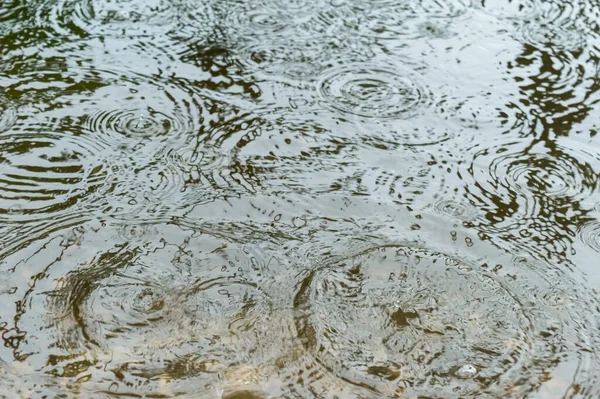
pixel 299 199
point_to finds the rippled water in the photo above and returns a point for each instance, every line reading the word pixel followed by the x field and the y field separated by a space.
pixel 299 199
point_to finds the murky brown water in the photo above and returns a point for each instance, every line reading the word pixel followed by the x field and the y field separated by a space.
pixel 299 199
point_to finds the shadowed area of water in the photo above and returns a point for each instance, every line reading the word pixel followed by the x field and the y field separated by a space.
pixel 299 199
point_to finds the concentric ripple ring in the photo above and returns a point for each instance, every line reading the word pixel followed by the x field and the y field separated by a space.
pixel 47 173
pixel 373 91
pixel 385 319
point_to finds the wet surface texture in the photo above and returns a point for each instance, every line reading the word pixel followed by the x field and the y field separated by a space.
pixel 299 199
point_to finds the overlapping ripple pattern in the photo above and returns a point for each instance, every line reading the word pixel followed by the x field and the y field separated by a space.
pixel 299 199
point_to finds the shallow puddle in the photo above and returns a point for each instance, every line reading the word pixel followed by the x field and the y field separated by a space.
pixel 299 199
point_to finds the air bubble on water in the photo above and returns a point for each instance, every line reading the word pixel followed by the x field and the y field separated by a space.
pixel 15 208
pixel 5 286
pixel 121 15
pixel 431 304
pixel 466 371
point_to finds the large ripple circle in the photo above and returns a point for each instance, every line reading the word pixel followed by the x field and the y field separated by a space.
pixel 149 317
pixel 174 313
pixel 373 91
pixel 135 122
pixel 542 174
pixel 516 184
pixel 398 316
